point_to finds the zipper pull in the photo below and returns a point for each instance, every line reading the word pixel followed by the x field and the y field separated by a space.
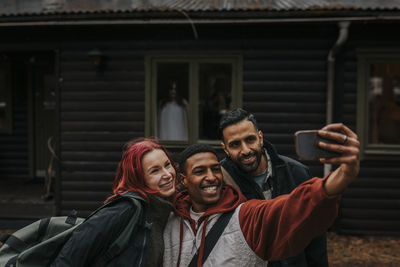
pixel 194 247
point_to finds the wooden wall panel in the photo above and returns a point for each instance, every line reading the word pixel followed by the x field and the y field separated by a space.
pixel 285 87
pixel 371 205
pixel 100 111
pixel 14 147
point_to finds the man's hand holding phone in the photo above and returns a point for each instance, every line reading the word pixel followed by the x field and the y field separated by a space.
pixel 307 147
pixel 348 147
pixel 343 148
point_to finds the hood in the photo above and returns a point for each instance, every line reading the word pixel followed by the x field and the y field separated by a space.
pixel 230 199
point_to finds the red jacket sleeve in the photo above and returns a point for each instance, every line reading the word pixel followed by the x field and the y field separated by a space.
pixel 282 227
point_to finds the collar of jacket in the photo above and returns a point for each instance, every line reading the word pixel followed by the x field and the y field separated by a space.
pixel 230 199
pixel 271 150
pixel 245 181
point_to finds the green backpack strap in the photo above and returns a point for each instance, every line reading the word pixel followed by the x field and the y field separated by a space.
pixel 38 243
pixel 15 243
pixel 18 244
pixel 122 241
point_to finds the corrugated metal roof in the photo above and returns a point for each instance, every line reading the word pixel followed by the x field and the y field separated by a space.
pixel 45 7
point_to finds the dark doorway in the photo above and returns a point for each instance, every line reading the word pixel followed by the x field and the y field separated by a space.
pixel 43 103
pixel 29 88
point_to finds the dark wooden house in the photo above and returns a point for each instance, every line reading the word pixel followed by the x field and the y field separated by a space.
pixel 78 79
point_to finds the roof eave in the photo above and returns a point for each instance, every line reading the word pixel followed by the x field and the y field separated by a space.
pixel 181 17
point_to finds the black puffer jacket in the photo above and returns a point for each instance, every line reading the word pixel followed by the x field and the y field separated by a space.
pixel 287 174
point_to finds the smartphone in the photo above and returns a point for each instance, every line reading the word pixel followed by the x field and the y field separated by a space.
pixel 307 145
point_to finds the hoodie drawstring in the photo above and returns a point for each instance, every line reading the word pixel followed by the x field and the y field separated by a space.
pixel 203 237
pixel 180 242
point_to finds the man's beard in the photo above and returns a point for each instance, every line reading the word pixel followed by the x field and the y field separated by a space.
pixel 253 167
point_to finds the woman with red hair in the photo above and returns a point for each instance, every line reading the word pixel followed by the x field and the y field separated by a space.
pixel 146 169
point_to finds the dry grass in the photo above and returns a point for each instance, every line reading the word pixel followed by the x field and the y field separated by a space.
pixel 354 251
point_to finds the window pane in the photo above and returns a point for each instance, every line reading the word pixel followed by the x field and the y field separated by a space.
pixel 215 87
pixel 384 103
pixel 172 101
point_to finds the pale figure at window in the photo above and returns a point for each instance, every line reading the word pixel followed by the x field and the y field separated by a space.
pixel 385 110
pixel 173 121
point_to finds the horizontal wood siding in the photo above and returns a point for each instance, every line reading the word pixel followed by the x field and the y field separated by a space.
pixel 100 111
pixel 371 205
pixel 14 146
pixel 284 85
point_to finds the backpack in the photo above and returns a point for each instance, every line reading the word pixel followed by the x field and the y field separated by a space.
pixel 39 243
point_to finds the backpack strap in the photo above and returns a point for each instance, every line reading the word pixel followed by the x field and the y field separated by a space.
pixel 145 223
pixel 212 237
pixel 4 237
pixel 120 243
pixel 15 243
pixel 44 223
pixel 19 245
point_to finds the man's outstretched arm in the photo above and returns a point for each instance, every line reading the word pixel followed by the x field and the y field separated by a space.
pixel 282 227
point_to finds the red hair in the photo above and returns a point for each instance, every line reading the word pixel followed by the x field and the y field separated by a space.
pixel 130 175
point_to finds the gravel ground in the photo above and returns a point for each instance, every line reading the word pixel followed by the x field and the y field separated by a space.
pixel 355 251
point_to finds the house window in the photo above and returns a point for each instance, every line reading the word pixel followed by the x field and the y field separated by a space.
pixel 5 96
pixel 187 95
pixel 379 102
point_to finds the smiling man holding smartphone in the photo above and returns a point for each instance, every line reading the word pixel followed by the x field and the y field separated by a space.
pixel 255 168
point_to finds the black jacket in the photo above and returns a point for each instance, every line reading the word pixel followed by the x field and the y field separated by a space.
pixel 287 174
pixel 93 237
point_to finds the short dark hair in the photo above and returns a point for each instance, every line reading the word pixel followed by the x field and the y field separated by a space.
pixel 234 116
pixel 190 151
